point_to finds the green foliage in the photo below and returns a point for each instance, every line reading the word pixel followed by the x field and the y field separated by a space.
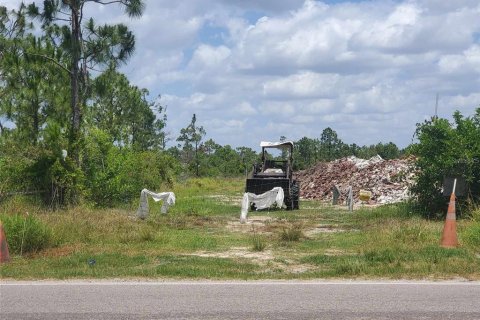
pixel 258 242
pixel 86 46
pixel 117 175
pixel 123 111
pixel 223 161
pixel 471 236
pixel 48 94
pixel 26 234
pixel 191 136
pixel 39 168
pixel 14 164
pixel 330 145
pixel 445 150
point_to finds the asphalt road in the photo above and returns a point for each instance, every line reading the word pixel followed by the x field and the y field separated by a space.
pixel 239 300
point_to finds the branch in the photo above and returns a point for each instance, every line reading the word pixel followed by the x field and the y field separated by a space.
pixel 81 13
pixel 64 13
pixel 51 60
pixel 106 2
pixel 62 19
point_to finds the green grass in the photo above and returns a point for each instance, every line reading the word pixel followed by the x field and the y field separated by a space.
pixel 201 238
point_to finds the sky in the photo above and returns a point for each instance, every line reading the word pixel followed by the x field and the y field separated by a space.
pixel 254 70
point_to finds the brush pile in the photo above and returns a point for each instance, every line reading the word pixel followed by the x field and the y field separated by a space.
pixel 387 180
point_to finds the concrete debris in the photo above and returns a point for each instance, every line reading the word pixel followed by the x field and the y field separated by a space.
pixel 388 181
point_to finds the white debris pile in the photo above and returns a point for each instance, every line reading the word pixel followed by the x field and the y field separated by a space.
pixel 261 201
pixel 168 199
pixel 362 163
pixel 387 180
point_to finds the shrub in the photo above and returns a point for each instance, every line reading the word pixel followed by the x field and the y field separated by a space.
pixel 446 149
pixel 117 175
pixel 26 234
pixel 40 168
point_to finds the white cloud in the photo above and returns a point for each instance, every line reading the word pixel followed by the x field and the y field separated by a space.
pixel 208 57
pixel 368 69
pixel 302 85
pixel 246 109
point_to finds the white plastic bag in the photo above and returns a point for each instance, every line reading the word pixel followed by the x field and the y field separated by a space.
pixel 167 197
pixel 261 201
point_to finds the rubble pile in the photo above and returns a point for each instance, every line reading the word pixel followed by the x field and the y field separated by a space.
pixel 387 180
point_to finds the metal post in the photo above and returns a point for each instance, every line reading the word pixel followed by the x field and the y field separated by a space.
pixel 350 198
pixel 336 195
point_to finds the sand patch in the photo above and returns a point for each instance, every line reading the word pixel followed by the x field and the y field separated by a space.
pixel 227 199
pixel 327 228
pixel 259 224
pixel 264 258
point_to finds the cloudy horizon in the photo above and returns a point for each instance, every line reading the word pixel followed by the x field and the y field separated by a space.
pixel 258 70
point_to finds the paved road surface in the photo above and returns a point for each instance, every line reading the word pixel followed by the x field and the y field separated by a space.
pixel 239 300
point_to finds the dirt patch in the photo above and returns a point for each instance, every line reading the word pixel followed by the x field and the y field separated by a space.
pixel 259 224
pixel 264 258
pixel 58 251
pixel 326 228
pixel 239 252
pixel 227 199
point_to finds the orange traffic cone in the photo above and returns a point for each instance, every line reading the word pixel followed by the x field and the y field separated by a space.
pixel 4 256
pixel 449 237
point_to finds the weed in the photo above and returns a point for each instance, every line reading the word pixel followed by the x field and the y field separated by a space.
pixel 475 214
pixel 258 244
pixel 382 256
pixel 293 233
pixel 146 235
pixel 178 222
pixel 351 267
pixel 471 236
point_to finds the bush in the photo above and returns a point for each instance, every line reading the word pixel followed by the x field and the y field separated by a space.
pixel 117 175
pixel 447 149
pixel 40 168
pixel 26 234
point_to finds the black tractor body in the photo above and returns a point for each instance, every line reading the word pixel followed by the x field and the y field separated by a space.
pixel 276 172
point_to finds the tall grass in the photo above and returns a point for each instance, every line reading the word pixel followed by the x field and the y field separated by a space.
pixel 26 233
pixel 201 237
pixel 258 243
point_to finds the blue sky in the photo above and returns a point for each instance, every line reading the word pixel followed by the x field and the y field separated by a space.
pixel 255 70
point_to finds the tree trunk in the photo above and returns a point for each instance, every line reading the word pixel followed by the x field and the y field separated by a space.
pixel 196 159
pixel 35 124
pixel 75 104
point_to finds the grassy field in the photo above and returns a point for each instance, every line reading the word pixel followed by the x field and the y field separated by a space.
pixel 201 238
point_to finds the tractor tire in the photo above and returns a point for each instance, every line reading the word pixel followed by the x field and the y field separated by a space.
pixel 288 199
